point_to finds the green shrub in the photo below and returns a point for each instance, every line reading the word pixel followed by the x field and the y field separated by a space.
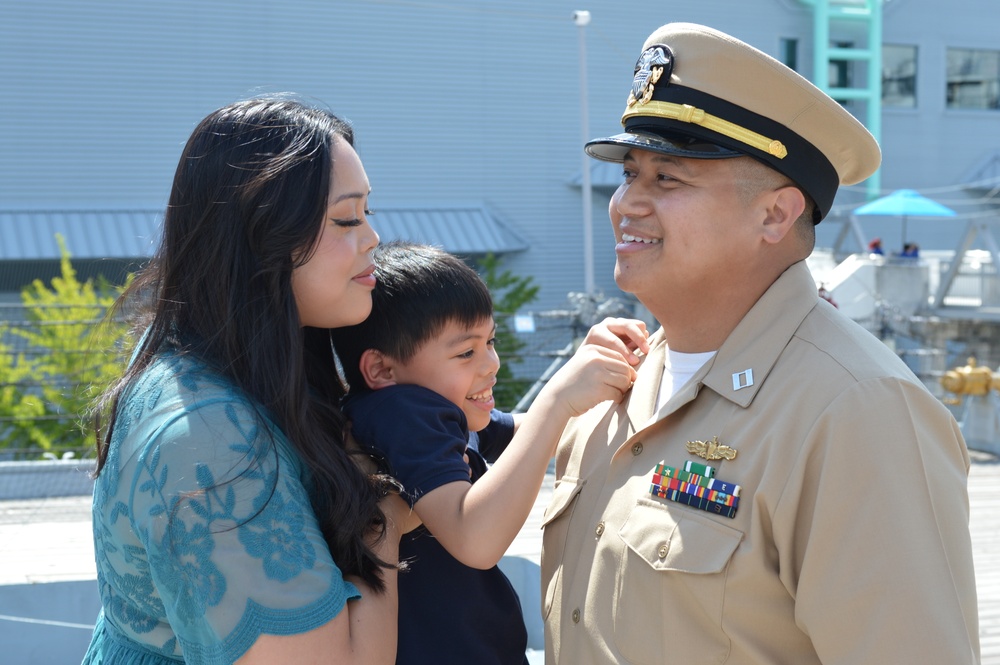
pixel 510 294
pixel 56 361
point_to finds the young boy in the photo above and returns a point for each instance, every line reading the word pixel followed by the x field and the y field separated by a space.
pixel 421 370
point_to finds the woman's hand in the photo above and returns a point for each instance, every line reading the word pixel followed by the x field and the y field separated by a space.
pixel 399 517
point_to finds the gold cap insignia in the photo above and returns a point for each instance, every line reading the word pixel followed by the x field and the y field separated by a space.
pixel 711 450
pixel 652 64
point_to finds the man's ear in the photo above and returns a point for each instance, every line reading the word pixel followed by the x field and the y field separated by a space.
pixel 785 206
pixel 376 369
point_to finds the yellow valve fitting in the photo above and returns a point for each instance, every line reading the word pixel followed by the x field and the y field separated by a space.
pixel 970 380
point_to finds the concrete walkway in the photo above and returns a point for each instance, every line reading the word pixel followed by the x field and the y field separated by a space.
pixel 49 540
pixel 984 498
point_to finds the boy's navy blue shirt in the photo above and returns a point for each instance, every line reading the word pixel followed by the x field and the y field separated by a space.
pixel 448 612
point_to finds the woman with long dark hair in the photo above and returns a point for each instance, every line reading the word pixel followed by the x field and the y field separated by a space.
pixel 232 519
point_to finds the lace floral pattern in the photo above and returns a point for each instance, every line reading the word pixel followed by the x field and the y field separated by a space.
pixel 204 534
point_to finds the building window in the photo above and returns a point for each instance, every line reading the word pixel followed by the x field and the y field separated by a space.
pixel 973 79
pixel 841 73
pixel 790 52
pixel 899 76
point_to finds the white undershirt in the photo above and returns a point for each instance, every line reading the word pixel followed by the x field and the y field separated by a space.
pixel 678 368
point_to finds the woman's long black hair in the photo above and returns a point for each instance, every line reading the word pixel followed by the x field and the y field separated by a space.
pixel 247 205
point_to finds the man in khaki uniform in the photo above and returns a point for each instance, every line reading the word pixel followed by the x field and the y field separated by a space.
pixel 777 487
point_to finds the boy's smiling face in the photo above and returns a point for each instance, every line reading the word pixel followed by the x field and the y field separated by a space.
pixel 460 364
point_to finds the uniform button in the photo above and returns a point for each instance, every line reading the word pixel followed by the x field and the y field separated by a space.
pixel 637 448
pixel 662 552
pixel 576 616
pixel 600 528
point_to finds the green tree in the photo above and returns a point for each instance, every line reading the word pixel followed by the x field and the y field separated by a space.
pixel 18 404
pixel 65 357
pixel 510 293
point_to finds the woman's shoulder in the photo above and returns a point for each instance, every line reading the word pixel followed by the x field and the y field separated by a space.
pixel 182 383
pixel 183 374
pixel 180 407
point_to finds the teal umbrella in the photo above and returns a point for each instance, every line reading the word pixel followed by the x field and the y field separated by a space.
pixel 905 203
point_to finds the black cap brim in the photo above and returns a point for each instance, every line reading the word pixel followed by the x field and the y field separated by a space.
pixel 614 148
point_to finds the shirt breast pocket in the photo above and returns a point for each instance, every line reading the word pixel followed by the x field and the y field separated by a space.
pixel 671 585
pixel 555 522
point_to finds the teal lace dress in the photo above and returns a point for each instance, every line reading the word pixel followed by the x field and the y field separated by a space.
pixel 203 532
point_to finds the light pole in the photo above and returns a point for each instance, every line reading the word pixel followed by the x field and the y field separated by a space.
pixel 581 19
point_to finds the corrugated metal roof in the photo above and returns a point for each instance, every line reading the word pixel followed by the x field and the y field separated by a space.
pixel 31 235
pixel 459 230
pixel 27 235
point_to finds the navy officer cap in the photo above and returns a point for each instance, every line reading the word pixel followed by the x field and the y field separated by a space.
pixel 702 94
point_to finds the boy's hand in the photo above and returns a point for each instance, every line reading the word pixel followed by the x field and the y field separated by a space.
pixel 593 375
pixel 626 336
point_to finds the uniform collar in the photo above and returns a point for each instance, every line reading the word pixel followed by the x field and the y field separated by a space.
pixel 647 383
pixel 746 357
pixel 748 354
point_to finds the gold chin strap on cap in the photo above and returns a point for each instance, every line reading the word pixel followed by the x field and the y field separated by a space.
pixel 697 116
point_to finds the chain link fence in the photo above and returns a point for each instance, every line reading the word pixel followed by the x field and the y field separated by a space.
pixel 55 358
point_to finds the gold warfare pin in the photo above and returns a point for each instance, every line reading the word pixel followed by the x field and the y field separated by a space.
pixel 711 450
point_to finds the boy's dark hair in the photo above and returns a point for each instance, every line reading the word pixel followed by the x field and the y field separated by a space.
pixel 420 290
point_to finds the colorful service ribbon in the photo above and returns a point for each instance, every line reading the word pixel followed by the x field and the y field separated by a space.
pixel 695 485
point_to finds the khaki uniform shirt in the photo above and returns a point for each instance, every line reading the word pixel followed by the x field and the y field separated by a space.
pixel 850 543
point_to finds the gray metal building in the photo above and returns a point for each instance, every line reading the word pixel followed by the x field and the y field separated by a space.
pixel 467 112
